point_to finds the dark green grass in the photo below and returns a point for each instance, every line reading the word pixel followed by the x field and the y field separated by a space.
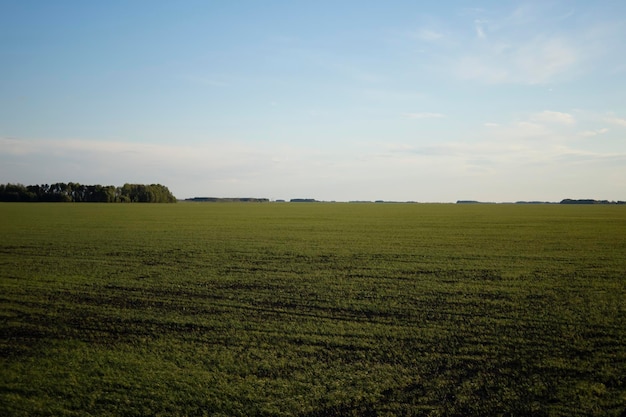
pixel 312 310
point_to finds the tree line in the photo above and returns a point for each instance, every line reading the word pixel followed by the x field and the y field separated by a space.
pixel 79 193
pixel 228 200
pixel 590 201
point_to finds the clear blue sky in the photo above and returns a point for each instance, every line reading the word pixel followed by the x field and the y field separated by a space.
pixel 334 100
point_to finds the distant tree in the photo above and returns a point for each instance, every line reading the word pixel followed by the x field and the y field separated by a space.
pixel 303 200
pixel 16 193
pixel 75 192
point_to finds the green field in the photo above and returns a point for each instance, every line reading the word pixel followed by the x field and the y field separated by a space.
pixel 248 309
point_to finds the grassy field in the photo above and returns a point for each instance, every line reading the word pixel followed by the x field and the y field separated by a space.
pixel 312 310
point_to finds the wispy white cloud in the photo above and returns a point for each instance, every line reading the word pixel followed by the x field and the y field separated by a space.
pixel 616 121
pixel 565 15
pixel 522 131
pixel 119 162
pixel 428 35
pixel 592 133
pixel 531 61
pixel 425 115
pixel 531 44
pixel 402 170
pixel 480 31
pixel 554 117
pixel 492 166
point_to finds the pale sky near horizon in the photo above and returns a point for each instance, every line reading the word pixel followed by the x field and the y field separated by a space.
pixel 333 100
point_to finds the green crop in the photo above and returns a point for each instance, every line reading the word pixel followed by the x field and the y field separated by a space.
pixel 296 309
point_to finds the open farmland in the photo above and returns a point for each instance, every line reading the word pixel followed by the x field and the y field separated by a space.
pixel 247 309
